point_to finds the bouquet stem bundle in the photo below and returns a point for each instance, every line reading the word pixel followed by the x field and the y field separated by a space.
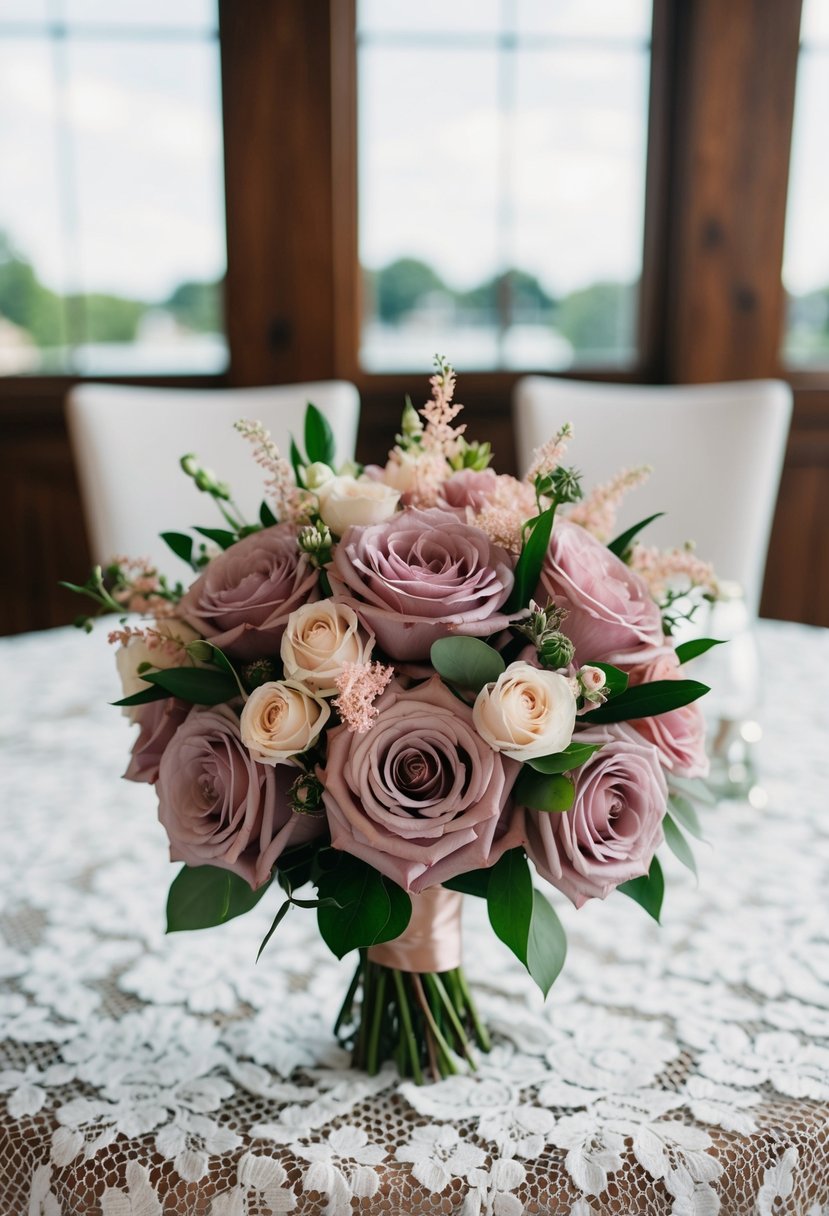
pixel 426 1022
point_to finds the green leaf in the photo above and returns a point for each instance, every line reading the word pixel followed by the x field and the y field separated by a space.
pixel 683 812
pixel 241 898
pixel 689 650
pixel 616 680
pixel 694 787
pixel 475 882
pixel 275 923
pixel 647 700
pixel 563 762
pixel 144 697
pixel 297 462
pixel 678 845
pixel 319 438
pixel 219 536
pixel 266 516
pixel 199 898
pixel 195 684
pixel 553 794
pixel 510 901
pixel 371 908
pixel 546 945
pixel 218 657
pixel 181 544
pixel 528 566
pixel 621 544
pixel 648 891
pixel 466 662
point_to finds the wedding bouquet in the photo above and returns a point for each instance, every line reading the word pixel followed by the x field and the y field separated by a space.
pixel 406 684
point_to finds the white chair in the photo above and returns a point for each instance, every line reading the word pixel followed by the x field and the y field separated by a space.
pixel 716 451
pixel 127 444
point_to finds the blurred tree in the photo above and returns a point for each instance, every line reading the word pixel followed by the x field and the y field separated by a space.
pixel 599 317
pixel 197 306
pixel 24 300
pixel 398 287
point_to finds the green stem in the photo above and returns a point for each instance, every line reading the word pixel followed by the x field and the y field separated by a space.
pixel 444 1049
pixel 348 1003
pixel 484 1041
pixel 434 983
pixel 406 1019
pixel 373 1058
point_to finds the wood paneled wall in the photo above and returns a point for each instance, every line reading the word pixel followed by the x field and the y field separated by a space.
pixel 721 112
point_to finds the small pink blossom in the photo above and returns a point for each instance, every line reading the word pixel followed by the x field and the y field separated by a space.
pixel 549 456
pixel 359 686
pixel 663 570
pixel 597 512
pixel 291 503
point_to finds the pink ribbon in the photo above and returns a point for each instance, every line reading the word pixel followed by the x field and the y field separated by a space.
pixel 432 939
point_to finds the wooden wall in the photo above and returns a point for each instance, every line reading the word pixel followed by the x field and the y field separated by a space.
pixel 721 112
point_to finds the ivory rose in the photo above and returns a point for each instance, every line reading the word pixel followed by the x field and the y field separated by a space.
pixel 420 796
pixel 422 575
pixel 527 712
pixel 280 720
pixel 162 648
pixel 611 617
pixel 242 601
pixel 614 827
pixel 319 640
pixel 350 501
pixel 680 733
pixel 219 806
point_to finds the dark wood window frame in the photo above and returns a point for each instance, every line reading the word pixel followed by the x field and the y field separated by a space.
pixel 721 107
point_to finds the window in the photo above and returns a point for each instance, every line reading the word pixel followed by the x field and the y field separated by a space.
pixel 112 247
pixel 806 261
pixel 502 151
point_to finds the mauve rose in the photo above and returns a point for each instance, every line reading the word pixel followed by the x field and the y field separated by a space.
pixel 219 807
pixel 611 617
pixel 420 796
pixel 421 576
pixel 157 722
pixel 242 601
pixel 469 488
pixel 680 733
pixel 614 827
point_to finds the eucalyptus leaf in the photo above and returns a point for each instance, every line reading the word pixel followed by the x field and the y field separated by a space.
pixel 319 438
pixel 678 845
pixel 195 684
pixel 647 700
pixel 684 813
pixel 647 891
pixel 697 646
pixel 510 901
pixel 369 909
pixel 266 516
pixel 528 566
pixel 622 543
pixel 551 793
pixel 564 762
pixel 546 944
pixel 219 536
pixel 181 544
pixel 466 662
pixel 475 882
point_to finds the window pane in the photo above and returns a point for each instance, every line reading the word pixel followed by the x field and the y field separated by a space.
pixel 806 260
pixel 501 184
pixel 154 14
pixel 112 248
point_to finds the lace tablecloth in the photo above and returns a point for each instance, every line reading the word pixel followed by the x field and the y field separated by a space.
pixel 678 1070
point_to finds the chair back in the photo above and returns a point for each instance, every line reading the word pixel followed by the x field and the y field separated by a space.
pixel 127 443
pixel 716 451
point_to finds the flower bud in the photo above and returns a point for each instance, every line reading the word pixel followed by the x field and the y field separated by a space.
pixel 317 474
pixel 555 650
pixel 259 671
pixel 305 795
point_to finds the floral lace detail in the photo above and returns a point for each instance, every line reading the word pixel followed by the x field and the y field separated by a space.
pixel 681 1069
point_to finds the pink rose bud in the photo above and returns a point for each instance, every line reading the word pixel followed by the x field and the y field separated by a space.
pixel 592 679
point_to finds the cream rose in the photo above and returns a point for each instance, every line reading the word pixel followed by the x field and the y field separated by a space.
pixel 347 501
pixel 401 471
pixel 280 720
pixel 527 712
pixel 162 649
pixel 319 640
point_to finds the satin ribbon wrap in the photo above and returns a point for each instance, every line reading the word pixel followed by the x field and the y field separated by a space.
pixel 432 939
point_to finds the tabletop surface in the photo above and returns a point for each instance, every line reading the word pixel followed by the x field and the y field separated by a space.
pixel 677 1069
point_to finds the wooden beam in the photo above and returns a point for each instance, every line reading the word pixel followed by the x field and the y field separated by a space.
pixel 733 94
